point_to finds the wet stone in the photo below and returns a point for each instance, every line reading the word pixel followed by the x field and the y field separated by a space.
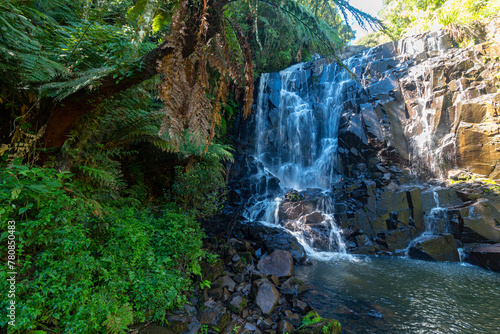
pixel 285 327
pixel 293 287
pixel 279 263
pixel 225 282
pixel 436 248
pixel 486 256
pixel 301 306
pixel 265 324
pixel 266 296
pixel 237 303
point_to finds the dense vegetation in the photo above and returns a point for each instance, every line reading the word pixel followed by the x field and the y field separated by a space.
pixel 114 121
pixel 408 17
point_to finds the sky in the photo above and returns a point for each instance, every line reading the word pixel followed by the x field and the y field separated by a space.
pixel 369 6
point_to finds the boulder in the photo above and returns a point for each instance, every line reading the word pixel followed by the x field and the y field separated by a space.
pixel 265 324
pixel 272 239
pixel 436 248
pixel 293 287
pixel 293 318
pixel 400 238
pixel 266 295
pixel 193 326
pixel 237 303
pixel 485 256
pixel 365 245
pixel 279 263
pixel 178 323
pixel 232 327
pixel 300 306
pixel 211 271
pixel 214 315
pixel 285 327
pixel 483 219
pixel 224 282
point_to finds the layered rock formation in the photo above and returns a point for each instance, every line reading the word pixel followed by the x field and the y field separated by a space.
pixel 424 108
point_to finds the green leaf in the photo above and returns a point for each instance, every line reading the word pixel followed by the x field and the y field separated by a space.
pixel 15 193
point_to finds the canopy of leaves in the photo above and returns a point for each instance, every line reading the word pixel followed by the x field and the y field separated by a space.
pixel 408 17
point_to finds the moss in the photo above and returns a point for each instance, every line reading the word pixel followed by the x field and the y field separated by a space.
pixel 311 318
pixel 224 320
pixel 312 323
pixel 294 197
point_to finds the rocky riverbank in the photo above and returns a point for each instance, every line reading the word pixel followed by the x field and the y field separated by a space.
pixel 248 289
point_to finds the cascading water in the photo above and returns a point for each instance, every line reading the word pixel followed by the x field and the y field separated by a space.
pixel 434 223
pixel 300 180
pixel 296 137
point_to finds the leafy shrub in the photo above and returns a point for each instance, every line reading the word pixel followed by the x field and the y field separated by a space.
pixel 199 190
pixel 85 268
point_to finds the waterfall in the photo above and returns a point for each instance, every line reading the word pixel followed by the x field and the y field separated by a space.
pixel 297 136
pixel 296 141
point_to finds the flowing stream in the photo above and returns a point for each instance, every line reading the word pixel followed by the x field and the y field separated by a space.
pixel 402 295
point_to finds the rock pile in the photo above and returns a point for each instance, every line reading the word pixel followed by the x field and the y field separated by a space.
pixel 251 292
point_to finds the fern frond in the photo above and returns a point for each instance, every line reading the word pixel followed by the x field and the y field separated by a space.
pixel 84 80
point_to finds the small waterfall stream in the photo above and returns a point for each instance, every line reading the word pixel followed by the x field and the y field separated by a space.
pixel 296 136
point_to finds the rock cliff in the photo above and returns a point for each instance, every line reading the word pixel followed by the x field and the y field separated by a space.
pixel 418 150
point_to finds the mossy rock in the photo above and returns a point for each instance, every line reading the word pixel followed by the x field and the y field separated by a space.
pixel 312 323
pixel 324 326
pixel 177 324
pixel 237 304
pixel 224 320
pixel 212 271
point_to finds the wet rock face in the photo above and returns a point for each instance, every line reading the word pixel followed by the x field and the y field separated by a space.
pixel 486 256
pixel 272 239
pixel 436 248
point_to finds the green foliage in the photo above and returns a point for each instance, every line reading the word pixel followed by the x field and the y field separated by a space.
pixel 328 326
pixel 310 318
pixel 408 17
pixel 199 190
pixel 289 32
pixel 85 266
pixel 373 39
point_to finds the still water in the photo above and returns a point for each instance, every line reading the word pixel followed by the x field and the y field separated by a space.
pixel 401 295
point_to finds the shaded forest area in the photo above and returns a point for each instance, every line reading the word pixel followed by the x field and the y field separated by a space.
pixel 116 124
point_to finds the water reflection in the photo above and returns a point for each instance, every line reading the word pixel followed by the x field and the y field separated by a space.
pixel 400 295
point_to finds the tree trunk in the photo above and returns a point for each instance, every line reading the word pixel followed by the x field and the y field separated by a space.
pixel 66 113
